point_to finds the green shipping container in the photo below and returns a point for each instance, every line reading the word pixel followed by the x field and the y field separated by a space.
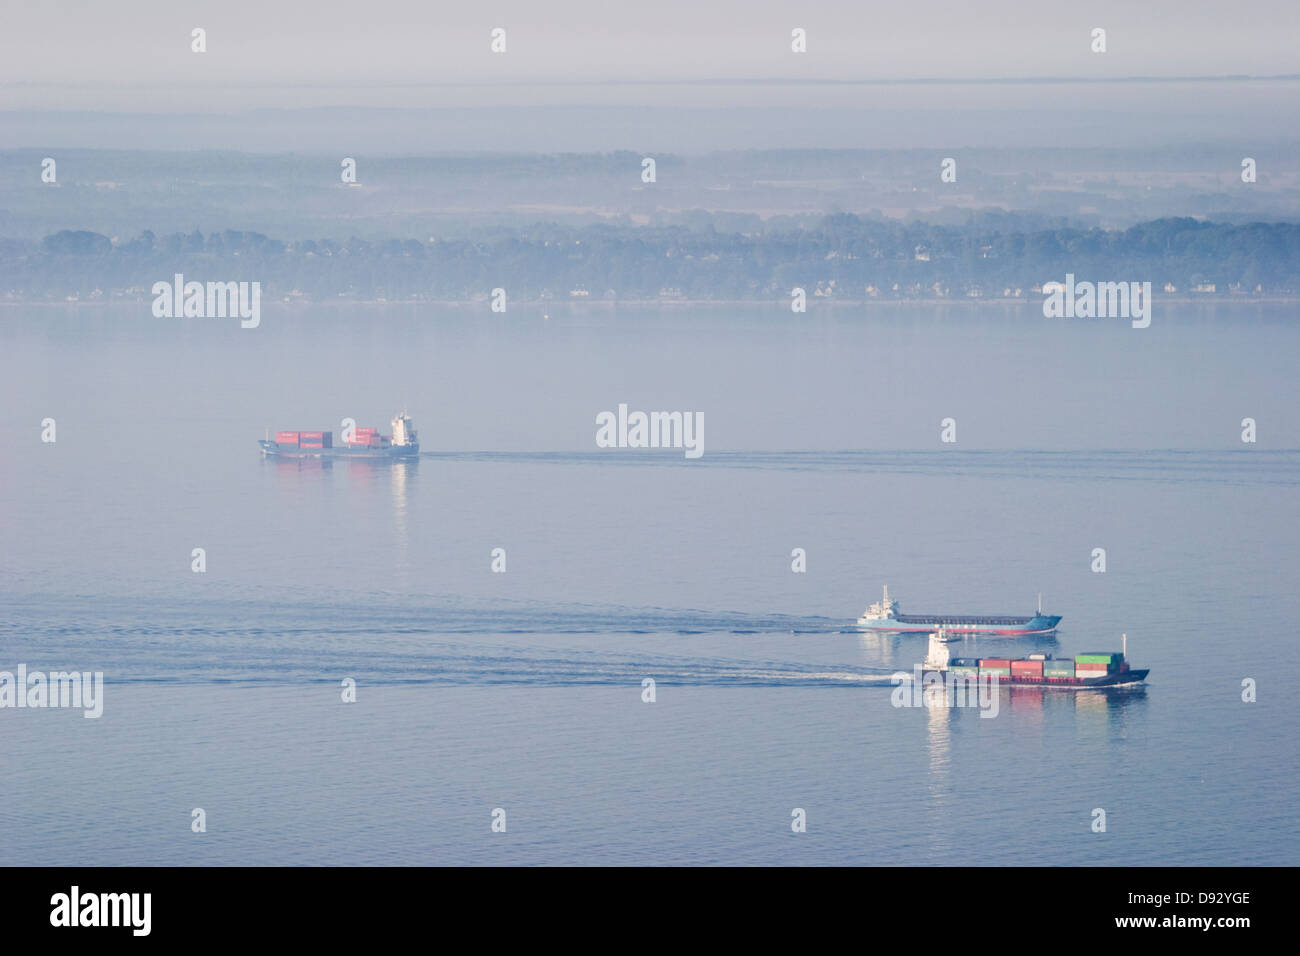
pixel 1058 668
pixel 964 670
pixel 1107 659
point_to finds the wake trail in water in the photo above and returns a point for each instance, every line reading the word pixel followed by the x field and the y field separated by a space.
pixel 1204 466
pixel 380 614
pixel 310 640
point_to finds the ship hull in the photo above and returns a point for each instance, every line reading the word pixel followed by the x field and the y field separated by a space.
pixel 272 449
pixel 924 624
pixel 1127 678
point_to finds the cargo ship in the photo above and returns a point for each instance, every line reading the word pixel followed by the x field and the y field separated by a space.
pixel 883 615
pixel 364 443
pixel 1081 672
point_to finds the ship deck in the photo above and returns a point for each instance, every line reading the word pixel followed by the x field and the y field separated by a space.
pixel 937 619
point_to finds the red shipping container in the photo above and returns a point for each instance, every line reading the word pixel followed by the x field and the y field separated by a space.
pixel 1027 668
pixel 994 662
pixel 287 438
pixel 311 436
pixel 365 431
pixel 310 444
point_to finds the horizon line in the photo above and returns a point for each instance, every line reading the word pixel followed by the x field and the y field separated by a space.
pixel 685 81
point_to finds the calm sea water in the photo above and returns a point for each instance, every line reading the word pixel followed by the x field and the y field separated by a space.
pixel 523 690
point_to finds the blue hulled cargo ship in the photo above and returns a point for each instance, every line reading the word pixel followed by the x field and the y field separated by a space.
pixel 883 615
pixel 363 443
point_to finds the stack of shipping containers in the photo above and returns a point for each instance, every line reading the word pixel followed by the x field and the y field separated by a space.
pixel 1083 666
pixel 1096 665
pixel 315 439
pixel 1058 668
pixel 964 667
pixel 1033 669
pixel 312 441
pixel 995 665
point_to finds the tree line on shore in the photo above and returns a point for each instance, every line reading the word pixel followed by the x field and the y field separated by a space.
pixel 841 255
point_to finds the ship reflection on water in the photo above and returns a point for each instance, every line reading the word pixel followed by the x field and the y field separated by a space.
pixel 401 475
pixel 286 465
pixel 1099 714
pixel 359 468
pixel 969 645
pixel 1035 700
pixel 1029 707
pixel 365 484
pixel 360 473
pixel 879 647
pixel 939 736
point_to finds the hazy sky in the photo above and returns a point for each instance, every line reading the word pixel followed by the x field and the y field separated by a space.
pixel 135 55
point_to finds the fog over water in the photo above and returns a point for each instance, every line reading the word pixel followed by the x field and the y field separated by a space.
pixel 579 75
